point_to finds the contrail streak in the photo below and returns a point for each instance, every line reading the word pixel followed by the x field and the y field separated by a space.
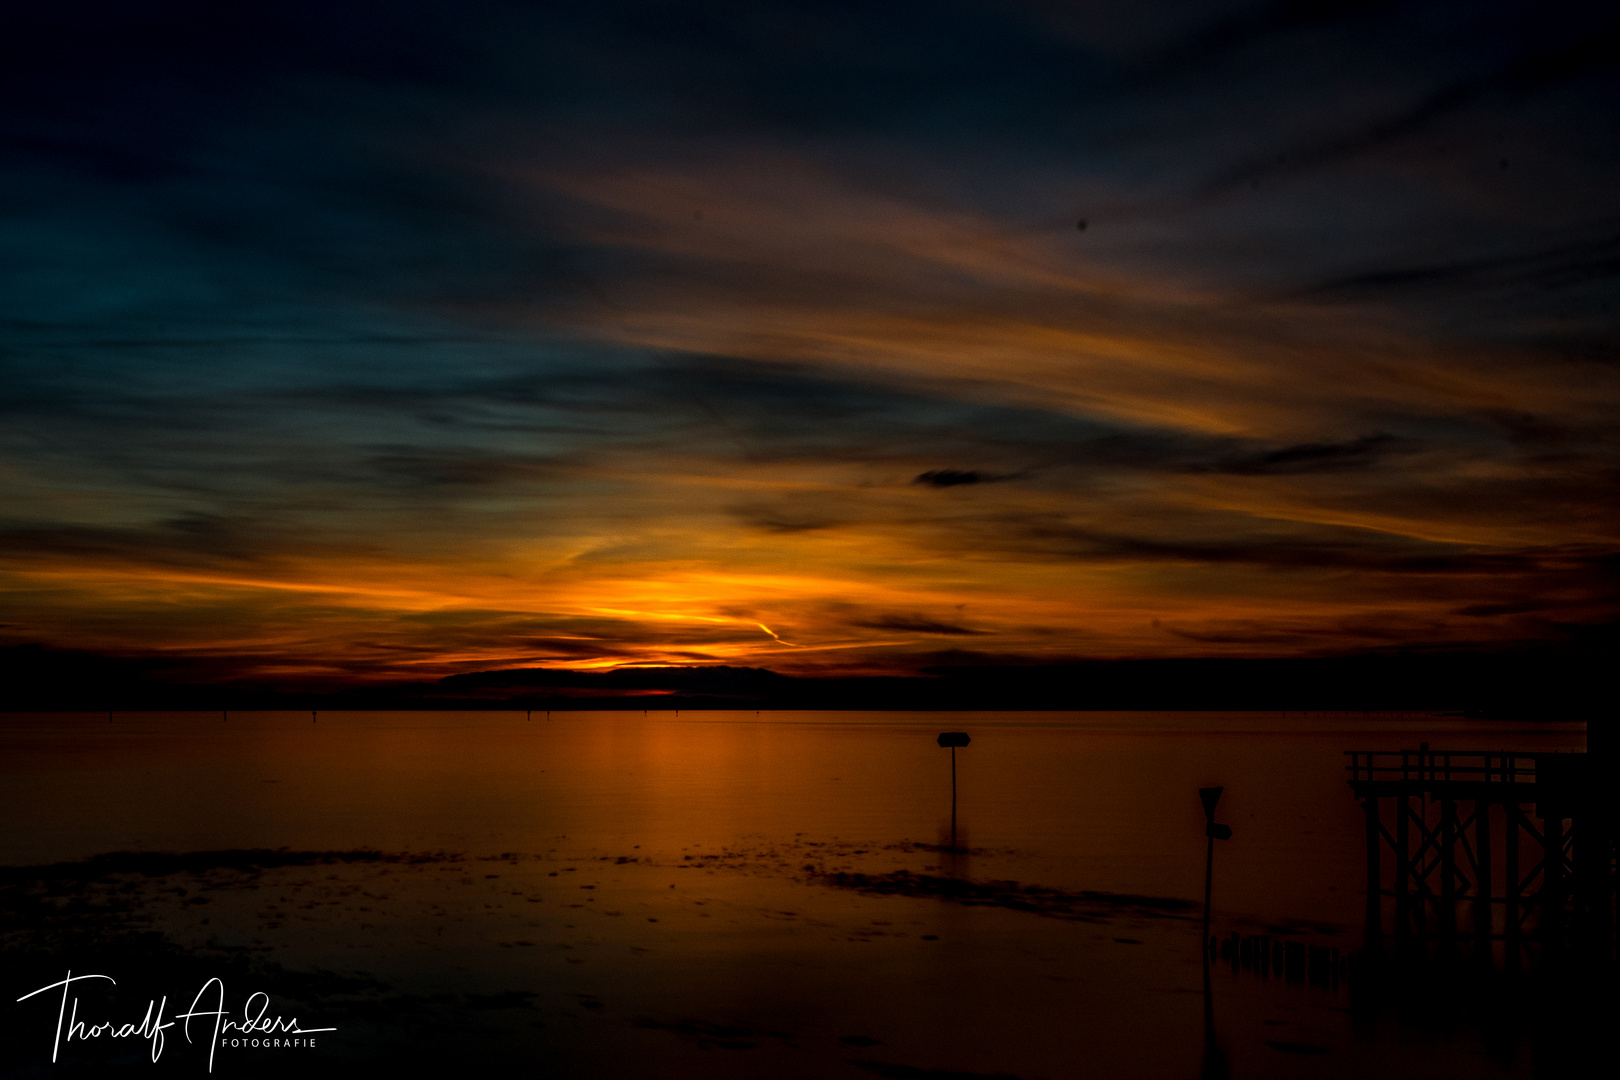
pixel 771 632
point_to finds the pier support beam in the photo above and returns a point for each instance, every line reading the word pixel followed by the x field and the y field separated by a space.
pixel 1553 884
pixel 1374 933
pixel 1403 869
pixel 1512 895
pixel 1482 879
pixel 1448 874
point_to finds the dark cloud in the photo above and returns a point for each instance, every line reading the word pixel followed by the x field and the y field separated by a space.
pixel 1362 453
pixel 1251 24
pixel 1571 264
pixel 917 624
pixel 422 467
pixel 708 679
pixel 1255 638
pixel 788 517
pixel 1486 611
pixel 193 540
pixel 1318 549
pixel 942 478
pixel 1557 44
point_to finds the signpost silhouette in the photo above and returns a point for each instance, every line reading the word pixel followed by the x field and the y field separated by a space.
pixel 953 739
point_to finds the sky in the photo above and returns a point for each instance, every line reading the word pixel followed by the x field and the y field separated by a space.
pixel 363 341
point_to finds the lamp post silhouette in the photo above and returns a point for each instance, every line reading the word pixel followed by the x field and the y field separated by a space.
pixel 953 739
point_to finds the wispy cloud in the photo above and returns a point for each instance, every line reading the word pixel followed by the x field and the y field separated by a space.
pixel 508 336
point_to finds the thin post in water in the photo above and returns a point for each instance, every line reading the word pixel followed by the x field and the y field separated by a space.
pixel 1215 1065
pixel 953 739
pixel 1212 832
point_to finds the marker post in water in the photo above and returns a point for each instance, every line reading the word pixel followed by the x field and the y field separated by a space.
pixel 1215 1065
pixel 953 739
pixel 1210 796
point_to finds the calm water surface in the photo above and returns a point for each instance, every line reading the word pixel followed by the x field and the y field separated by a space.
pixel 659 896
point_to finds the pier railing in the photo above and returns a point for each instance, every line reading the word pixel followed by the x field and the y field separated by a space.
pixel 1491 767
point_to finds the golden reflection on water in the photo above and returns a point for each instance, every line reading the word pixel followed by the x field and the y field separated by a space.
pixel 663 889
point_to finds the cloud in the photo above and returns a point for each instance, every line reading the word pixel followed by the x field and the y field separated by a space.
pixel 789 518
pixel 711 679
pixel 942 478
pixel 1361 453
pixel 917 624
pixel 415 342
pixel 1587 260
pixel 1586 40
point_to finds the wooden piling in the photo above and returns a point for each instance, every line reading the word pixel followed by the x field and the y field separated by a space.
pixel 1375 879
pixel 1512 917
pixel 1403 864
pixel 1448 872
pixel 1553 884
pixel 1482 878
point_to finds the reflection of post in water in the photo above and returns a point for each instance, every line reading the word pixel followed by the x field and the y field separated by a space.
pixel 1215 1066
pixel 1438 814
pixel 953 739
pixel 955 853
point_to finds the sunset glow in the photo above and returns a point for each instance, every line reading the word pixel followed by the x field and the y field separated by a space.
pixel 837 394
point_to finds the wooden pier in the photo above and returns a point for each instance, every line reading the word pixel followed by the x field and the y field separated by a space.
pixel 1508 856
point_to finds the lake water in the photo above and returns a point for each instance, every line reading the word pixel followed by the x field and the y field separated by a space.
pixel 724 894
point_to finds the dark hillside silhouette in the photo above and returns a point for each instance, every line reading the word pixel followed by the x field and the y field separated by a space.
pixel 1527 684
